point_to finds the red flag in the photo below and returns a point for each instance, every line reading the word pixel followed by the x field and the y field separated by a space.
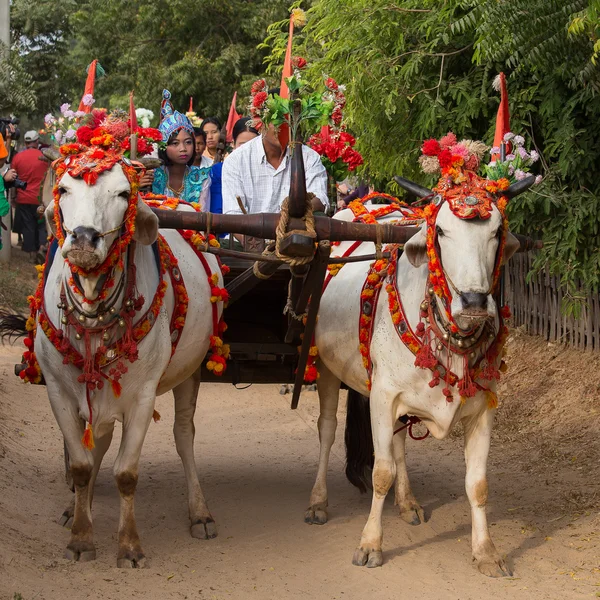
pixel 133 122
pixel 232 119
pixel 89 86
pixel 284 130
pixel 503 117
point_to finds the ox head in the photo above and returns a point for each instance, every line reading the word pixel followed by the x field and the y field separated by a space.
pixel 464 242
pixel 93 210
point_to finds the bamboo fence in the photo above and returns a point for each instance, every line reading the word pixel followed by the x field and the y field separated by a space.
pixel 537 305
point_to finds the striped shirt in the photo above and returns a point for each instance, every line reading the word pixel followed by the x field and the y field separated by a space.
pixel 261 187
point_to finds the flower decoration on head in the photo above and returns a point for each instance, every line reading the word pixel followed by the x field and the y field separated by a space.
pixel 448 156
pixel 320 118
pixel 515 165
pixel 172 120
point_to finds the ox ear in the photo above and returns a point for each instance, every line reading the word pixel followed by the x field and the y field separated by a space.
pixel 49 216
pixel 512 245
pixel 146 224
pixel 416 249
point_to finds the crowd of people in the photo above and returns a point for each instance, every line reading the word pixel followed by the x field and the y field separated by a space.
pixel 26 173
pixel 249 174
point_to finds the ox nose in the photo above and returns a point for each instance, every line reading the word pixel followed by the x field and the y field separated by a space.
pixel 85 236
pixel 473 300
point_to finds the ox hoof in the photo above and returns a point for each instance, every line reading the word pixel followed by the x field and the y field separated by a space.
pixel 367 558
pixel 204 529
pixel 316 515
pixel 80 552
pixel 494 568
pixel 133 560
pixel 413 515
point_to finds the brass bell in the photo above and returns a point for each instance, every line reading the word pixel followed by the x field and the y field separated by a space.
pixel 424 305
pixel 491 335
pixel 64 320
pixel 113 310
pixel 81 318
pixel 121 322
pixel 439 346
pixel 101 318
pixel 60 306
pixel 129 303
pixel 71 308
pixel 431 291
pixel 472 355
pixel 446 336
pixel 77 336
pixel 460 343
pixel 105 335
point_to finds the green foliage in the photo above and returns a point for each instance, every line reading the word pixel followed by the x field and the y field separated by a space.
pixel 16 94
pixel 418 68
pixel 205 49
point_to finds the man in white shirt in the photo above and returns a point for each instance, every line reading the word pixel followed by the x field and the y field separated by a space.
pixel 259 175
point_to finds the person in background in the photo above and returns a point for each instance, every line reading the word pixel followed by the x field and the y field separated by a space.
pixel 201 160
pixel 212 128
pixel 178 177
pixel 4 205
pixel 30 167
pixel 259 174
pixel 242 132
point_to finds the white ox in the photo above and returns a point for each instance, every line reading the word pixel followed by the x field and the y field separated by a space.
pixel 87 211
pixel 468 252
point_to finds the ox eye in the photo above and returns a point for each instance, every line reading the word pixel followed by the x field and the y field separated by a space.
pixel 439 232
pixel 61 191
pixel 124 195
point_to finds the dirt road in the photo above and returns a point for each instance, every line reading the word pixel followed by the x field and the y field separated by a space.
pixel 257 460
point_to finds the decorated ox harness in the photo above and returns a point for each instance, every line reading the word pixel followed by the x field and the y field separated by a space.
pixel 108 347
pixel 479 349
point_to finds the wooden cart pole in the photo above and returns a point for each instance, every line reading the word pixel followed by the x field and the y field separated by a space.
pixel 320 266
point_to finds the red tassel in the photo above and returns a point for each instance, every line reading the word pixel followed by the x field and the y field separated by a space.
pixel 116 388
pixel 88 438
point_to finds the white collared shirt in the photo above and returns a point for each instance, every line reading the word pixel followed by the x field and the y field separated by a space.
pixel 261 187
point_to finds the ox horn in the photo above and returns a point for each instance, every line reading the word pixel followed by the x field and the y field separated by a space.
pixel 412 187
pixel 149 162
pixel 519 187
pixel 51 153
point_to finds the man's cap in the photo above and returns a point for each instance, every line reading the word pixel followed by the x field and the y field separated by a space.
pixel 31 136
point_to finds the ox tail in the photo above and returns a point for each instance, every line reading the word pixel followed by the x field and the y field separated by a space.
pixel 359 441
pixel 12 325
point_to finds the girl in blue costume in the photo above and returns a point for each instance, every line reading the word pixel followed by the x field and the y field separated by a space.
pixel 178 176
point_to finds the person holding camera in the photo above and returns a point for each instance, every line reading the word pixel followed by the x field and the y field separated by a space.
pixel 28 170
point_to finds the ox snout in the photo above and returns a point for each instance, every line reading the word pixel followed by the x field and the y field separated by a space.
pixel 470 309
pixel 474 304
pixel 85 238
pixel 84 247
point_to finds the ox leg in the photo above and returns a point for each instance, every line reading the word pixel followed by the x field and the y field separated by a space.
pixel 478 431
pixel 135 426
pixel 202 523
pixel 410 509
pixel 369 552
pixel 101 446
pixel 81 543
pixel 329 394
